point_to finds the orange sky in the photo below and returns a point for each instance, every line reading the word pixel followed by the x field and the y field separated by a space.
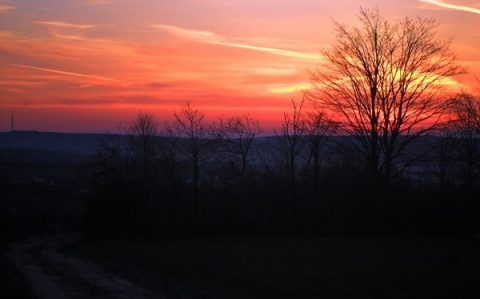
pixel 88 65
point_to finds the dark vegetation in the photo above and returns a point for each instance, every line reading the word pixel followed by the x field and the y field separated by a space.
pixel 107 190
pixel 151 188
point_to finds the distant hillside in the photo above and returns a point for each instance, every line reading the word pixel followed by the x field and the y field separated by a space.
pixel 48 141
pixel 31 154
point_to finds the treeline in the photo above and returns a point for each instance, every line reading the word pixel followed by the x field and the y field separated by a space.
pixel 194 177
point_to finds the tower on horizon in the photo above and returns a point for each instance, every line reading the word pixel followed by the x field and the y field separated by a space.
pixel 13 123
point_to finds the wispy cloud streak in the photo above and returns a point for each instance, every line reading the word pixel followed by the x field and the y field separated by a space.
pixel 452 6
pixel 102 78
pixel 21 83
pixel 65 24
pixel 4 8
pixel 96 2
pixel 215 39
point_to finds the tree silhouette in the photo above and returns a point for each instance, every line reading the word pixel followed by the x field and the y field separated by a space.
pixel 465 127
pixel 383 81
pixel 235 135
pixel 112 203
pixel 445 155
pixel 318 128
pixel 190 131
pixel 143 137
pixel 290 144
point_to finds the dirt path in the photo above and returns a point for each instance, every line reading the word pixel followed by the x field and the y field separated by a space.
pixel 53 274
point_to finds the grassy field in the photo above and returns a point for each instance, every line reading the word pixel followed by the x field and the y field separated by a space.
pixel 247 267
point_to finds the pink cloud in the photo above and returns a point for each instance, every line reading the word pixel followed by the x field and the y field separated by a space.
pixel 5 8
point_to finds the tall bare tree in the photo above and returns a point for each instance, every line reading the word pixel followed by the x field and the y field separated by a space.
pixel 465 126
pixel 383 80
pixel 319 126
pixel 290 144
pixel 114 158
pixel 118 178
pixel 235 136
pixel 144 139
pixel 445 155
pixel 191 131
pixel 114 161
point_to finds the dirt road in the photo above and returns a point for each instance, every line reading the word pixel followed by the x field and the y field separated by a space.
pixel 53 274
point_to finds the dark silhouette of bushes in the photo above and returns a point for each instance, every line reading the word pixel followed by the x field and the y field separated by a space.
pixel 133 193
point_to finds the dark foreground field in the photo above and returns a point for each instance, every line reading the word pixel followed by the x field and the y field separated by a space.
pixel 12 284
pixel 248 267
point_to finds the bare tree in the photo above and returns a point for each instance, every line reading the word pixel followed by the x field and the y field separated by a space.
pixel 465 126
pixel 111 199
pixel 191 132
pixel 235 136
pixel 144 139
pixel 170 160
pixel 445 156
pixel 113 158
pixel 383 81
pixel 290 143
pixel 318 127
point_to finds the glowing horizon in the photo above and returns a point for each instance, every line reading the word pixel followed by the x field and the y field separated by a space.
pixel 88 65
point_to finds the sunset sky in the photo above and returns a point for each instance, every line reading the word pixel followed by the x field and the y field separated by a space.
pixel 89 65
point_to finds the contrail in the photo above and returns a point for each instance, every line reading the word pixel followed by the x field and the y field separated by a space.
pixel 215 39
pixel 452 6
pixel 66 73
pixel 269 50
